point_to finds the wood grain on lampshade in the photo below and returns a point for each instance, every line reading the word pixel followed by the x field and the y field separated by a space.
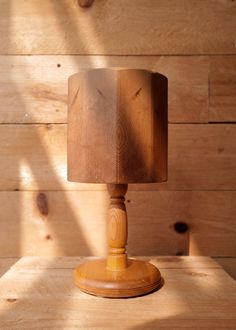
pixel 117 126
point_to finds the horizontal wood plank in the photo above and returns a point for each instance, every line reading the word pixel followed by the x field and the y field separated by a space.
pixel 34 88
pixel 36 264
pixel 222 89
pixel 196 298
pixel 201 157
pixel 122 27
pixel 73 223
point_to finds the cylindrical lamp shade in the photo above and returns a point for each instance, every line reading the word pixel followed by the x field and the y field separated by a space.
pixel 117 126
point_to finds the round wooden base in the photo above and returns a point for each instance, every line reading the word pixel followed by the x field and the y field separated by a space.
pixel 138 278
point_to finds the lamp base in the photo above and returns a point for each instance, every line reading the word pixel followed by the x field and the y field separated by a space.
pixel 137 279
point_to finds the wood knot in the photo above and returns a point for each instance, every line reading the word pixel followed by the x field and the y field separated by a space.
pixel 137 93
pixel 221 149
pixel 179 254
pixel 100 92
pixel 85 3
pixel 42 203
pixel 181 227
pixel 11 300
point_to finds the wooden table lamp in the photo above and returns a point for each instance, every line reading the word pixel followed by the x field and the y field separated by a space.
pixel 117 134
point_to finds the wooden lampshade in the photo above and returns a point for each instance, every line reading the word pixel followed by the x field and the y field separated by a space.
pixel 117 134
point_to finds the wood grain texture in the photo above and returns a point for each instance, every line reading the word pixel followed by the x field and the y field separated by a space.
pixel 117 126
pixel 117 227
pixel 138 278
pixel 138 27
pixel 200 158
pixel 222 89
pixel 34 88
pixel 197 297
pixel 76 223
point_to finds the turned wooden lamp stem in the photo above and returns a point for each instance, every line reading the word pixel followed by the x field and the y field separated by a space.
pixel 117 227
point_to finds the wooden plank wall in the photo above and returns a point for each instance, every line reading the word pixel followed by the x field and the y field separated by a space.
pixel 193 43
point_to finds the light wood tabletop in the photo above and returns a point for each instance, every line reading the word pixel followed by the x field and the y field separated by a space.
pixel 39 293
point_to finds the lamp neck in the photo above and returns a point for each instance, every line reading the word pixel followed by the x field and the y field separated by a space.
pixel 117 227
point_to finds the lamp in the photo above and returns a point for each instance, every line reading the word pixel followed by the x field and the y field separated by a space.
pixel 117 134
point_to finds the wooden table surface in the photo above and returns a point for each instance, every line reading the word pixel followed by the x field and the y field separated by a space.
pixel 38 293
